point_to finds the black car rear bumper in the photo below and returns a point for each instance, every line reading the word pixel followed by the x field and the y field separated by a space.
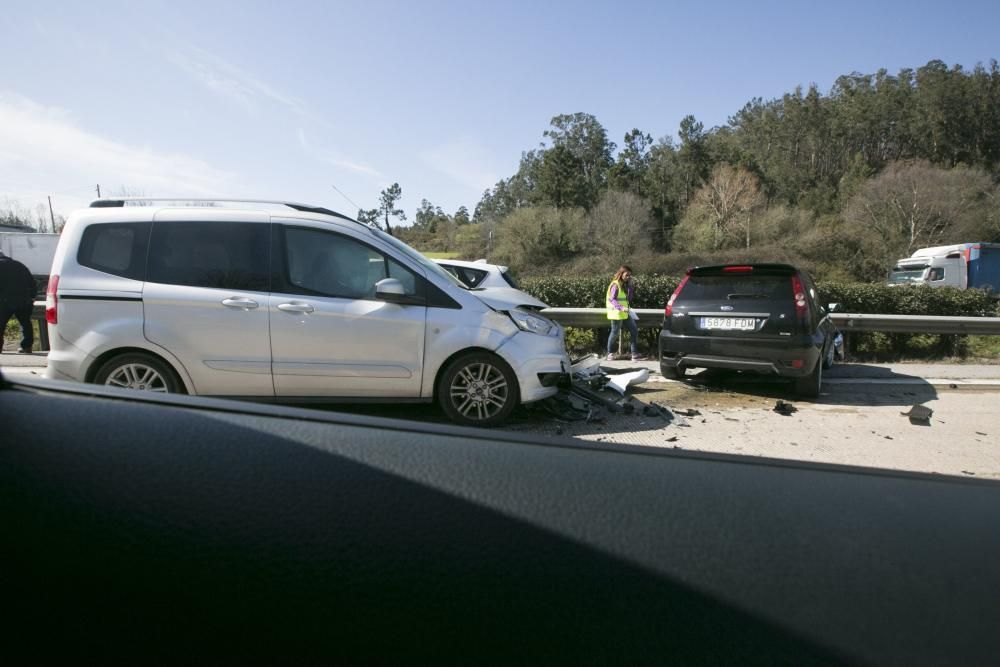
pixel 786 357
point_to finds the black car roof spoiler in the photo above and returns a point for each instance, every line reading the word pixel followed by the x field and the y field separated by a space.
pixel 760 269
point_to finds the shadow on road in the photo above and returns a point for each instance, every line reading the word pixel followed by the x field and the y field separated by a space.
pixel 854 385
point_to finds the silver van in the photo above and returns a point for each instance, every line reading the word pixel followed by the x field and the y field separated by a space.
pixel 284 302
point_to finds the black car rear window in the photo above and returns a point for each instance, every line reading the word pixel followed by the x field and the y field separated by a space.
pixel 737 286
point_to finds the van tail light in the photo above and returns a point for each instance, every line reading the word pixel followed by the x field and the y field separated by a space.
pixel 673 297
pixel 801 304
pixel 52 300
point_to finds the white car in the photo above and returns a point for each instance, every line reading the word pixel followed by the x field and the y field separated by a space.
pixel 492 278
pixel 284 302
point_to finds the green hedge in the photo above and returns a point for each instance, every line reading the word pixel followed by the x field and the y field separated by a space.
pixel 589 291
pixel 653 291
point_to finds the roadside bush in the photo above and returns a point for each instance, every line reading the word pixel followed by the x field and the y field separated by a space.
pixel 581 341
pixel 651 291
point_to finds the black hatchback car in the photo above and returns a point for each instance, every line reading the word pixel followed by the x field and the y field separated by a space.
pixel 754 317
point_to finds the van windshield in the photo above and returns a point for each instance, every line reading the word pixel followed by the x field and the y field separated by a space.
pixel 419 258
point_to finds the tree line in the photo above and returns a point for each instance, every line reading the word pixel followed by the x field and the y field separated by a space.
pixel 843 182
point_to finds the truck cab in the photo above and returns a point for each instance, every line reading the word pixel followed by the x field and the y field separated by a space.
pixel 961 265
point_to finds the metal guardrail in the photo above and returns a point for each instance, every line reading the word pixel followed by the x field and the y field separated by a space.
pixel 651 318
pixel 848 322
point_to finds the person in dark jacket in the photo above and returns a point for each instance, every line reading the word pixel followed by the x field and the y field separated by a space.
pixel 17 296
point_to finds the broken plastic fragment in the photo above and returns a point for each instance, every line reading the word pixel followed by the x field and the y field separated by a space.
pixel 622 382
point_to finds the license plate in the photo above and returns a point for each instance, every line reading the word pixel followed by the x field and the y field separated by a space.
pixel 729 323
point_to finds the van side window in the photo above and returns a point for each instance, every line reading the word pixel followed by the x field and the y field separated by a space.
pixel 330 264
pixel 223 255
pixel 403 275
pixel 118 249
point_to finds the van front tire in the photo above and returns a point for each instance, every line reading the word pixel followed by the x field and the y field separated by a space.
pixel 138 371
pixel 478 389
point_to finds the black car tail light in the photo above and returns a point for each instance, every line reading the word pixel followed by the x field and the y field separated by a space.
pixel 801 303
pixel 673 297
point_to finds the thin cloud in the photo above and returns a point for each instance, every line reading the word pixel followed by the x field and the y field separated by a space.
pixel 43 147
pixel 334 158
pixel 229 81
pixel 464 160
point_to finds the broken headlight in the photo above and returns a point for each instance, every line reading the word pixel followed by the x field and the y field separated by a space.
pixel 532 323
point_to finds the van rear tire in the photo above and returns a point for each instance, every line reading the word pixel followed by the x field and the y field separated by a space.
pixel 139 371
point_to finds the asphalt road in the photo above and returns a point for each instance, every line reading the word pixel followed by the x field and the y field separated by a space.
pixel 857 420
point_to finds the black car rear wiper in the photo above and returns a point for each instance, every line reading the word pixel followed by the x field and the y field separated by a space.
pixel 747 295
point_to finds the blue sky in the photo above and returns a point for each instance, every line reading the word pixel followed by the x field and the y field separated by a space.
pixel 285 100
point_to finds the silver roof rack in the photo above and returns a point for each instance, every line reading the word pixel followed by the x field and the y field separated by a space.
pixel 117 202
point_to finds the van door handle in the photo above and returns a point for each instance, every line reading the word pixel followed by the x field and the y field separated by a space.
pixel 295 307
pixel 244 303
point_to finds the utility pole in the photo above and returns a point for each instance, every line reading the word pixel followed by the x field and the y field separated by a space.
pixel 98 190
pixel 52 216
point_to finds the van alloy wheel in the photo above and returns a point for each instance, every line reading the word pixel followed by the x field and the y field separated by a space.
pixel 141 372
pixel 137 376
pixel 478 389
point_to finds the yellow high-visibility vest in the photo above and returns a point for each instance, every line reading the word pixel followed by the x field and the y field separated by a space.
pixel 614 313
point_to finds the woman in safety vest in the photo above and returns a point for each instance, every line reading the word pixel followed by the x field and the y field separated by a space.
pixel 617 299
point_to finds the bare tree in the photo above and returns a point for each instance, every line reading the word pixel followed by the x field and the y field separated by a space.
pixel 914 204
pixel 619 226
pixel 721 212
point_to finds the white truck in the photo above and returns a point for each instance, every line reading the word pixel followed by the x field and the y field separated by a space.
pixel 962 265
pixel 33 250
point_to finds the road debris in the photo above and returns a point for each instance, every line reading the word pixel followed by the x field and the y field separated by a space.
pixel 783 408
pixel 919 414
pixel 565 407
pixel 622 382
pixel 653 408
pixel 586 368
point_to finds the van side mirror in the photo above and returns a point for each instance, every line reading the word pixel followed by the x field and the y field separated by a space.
pixel 392 291
pixel 389 287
